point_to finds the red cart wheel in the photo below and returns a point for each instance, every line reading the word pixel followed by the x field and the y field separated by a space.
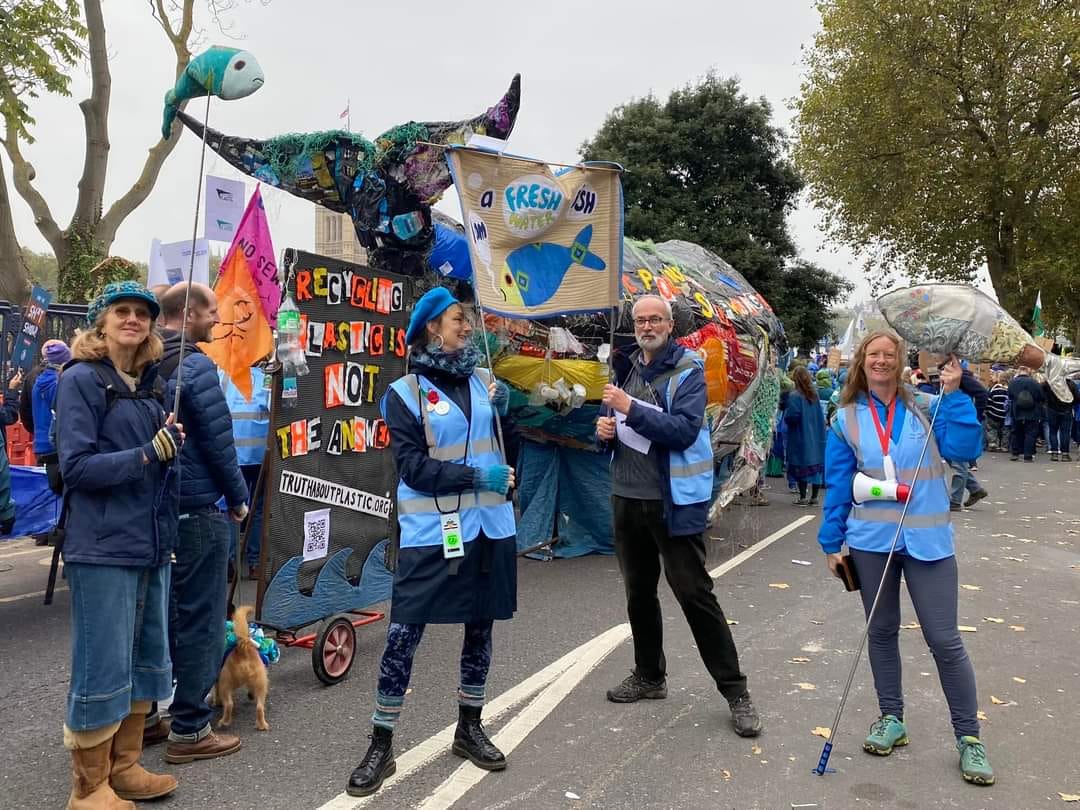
pixel 334 650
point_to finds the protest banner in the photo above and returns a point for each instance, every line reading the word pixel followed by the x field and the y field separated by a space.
pixel 170 262
pixel 542 242
pixel 28 341
pixel 224 207
pixel 330 475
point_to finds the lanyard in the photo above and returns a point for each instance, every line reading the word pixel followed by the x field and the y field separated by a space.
pixel 884 435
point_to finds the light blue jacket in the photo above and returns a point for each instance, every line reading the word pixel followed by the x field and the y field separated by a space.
pixel 251 420
pixel 853 446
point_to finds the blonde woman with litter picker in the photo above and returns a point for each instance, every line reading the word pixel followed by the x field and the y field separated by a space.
pixel 879 431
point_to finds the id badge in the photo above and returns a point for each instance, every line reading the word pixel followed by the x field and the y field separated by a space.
pixel 451 536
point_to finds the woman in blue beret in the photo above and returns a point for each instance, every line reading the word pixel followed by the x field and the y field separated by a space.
pixel 115 446
pixel 457 562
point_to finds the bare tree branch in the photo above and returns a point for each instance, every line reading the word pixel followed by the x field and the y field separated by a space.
pixel 95 112
pixel 22 176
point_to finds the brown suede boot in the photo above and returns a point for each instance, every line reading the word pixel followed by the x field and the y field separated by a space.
pixel 90 780
pixel 128 778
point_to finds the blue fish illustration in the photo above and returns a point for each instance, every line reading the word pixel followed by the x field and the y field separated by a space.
pixel 227 73
pixel 533 273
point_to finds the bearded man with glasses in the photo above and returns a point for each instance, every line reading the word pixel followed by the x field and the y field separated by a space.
pixel 661 486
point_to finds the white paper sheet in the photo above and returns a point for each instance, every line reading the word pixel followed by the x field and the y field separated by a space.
pixel 630 437
pixel 316 534
pixel 224 208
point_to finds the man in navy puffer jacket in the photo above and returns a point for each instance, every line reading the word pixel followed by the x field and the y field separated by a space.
pixel 208 471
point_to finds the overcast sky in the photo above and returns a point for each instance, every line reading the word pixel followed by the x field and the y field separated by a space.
pixel 417 60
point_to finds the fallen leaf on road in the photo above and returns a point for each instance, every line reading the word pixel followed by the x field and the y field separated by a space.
pixel 1020 680
pixel 798 660
pixel 1019 628
pixel 997 701
pixel 981 715
pixel 971 587
pixel 755 749
pixel 967 628
pixel 1014 559
pixel 815 621
pixel 1069 797
pixel 911 626
pixel 779 585
pixel 732 621
pixel 1003 534
pixel 822 731
pixel 993 619
pixel 571 795
pixel 725 774
pixel 806 687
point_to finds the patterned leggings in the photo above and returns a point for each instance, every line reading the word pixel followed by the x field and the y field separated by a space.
pixel 395 670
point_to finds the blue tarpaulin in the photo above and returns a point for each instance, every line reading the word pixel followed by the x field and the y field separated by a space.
pixel 36 506
pixel 576 485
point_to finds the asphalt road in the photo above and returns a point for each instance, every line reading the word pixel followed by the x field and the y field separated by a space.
pixel 569 643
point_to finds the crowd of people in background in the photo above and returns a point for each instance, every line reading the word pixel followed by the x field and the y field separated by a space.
pixel 1019 414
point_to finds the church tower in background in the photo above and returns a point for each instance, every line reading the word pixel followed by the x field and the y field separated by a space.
pixel 335 237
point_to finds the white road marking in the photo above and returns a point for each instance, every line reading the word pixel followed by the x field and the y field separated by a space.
pixel 745 555
pixel 420 755
pixel 17 597
pixel 556 680
pixel 467 775
pixel 34 550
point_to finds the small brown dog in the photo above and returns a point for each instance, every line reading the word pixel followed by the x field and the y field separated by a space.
pixel 243 667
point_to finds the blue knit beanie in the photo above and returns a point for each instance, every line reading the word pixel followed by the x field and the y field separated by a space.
pixel 428 307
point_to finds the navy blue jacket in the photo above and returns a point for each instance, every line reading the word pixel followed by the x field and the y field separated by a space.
pixel 676 430
pixel 120 510
pixel 971 386
pixel 208 468
pixel 1025 382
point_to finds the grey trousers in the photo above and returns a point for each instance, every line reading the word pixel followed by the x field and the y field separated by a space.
pixel 933 590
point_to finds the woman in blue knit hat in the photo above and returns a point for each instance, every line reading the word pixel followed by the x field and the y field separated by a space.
pixel 115 445
pixel 457 562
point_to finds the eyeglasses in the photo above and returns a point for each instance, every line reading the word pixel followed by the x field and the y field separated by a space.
pixel 652 320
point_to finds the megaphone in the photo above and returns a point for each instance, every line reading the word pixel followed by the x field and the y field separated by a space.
pixel 864 488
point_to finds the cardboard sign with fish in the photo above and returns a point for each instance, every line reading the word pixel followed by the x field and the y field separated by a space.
pixel 542 242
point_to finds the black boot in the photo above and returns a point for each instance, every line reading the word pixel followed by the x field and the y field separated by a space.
pixel 377 764
pixel 471 742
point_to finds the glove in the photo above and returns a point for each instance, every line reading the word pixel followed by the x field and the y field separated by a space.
pixel 164 445
pixel 492 479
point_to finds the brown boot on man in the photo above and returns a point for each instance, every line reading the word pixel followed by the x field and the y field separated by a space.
pixel 128 778
pixel 90 788
pixel 211 746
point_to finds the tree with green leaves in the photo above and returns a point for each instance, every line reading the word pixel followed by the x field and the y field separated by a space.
pixel 39 40
pixel 940 137
pixel 709 167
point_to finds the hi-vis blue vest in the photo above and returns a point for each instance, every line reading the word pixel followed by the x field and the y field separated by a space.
pixel 690 470
pixel 251 420
pixel 460 439
pixel 927 533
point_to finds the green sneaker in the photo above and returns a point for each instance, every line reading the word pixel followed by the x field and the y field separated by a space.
pixel 974 764
pixel 886 733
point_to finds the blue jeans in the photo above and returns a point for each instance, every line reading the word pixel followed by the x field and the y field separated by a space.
pixel 1060 427
pixel 963 478
pixel 254 519
pixel 197 618
pixel 119 647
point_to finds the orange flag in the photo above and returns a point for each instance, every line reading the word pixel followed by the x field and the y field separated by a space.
pixel 243 337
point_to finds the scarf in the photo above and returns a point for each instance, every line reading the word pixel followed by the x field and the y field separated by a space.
pixel 460 363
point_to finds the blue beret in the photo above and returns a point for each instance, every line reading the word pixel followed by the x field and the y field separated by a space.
pixel 118 290
pixel 428 307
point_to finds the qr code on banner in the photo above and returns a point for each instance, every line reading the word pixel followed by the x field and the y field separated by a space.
pixel 316 534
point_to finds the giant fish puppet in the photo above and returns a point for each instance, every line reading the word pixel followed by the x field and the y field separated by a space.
pixel 959 319
pixel 387 186
pixel 227 73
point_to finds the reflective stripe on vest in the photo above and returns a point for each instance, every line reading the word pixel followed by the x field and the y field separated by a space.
pixel 927 529
pixel 452 438
pixel 691 470
pixel 250 420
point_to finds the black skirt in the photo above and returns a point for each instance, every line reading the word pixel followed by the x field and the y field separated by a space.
pixel 481 586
